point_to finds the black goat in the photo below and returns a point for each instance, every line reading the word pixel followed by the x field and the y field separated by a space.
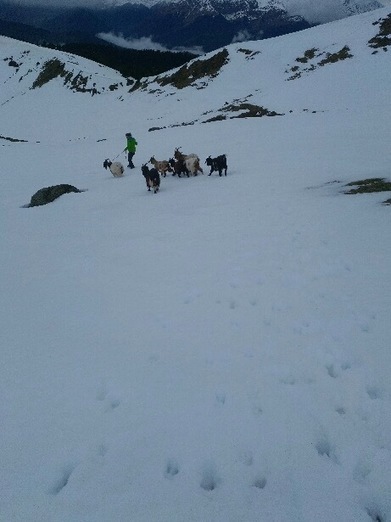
pixel 152 178
pixel 217 164
pixel 179 167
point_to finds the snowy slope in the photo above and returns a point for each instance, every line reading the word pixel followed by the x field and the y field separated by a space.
pixel 218 351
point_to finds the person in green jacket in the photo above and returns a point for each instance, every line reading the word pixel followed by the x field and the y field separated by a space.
pixel 131 145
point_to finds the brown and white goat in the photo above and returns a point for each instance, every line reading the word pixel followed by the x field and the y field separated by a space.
pixel 162 166
pixel 191 161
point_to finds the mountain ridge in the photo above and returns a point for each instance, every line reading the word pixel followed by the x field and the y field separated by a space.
pixel 207 24
pixel 27 68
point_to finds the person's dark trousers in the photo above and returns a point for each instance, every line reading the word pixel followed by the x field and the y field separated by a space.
pixel 130 160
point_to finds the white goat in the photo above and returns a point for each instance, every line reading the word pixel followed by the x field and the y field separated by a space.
pixel 193 165
pixel 116 168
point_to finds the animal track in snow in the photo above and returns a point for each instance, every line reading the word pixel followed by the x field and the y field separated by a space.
pixel 375 515
pixel 209 479
pixel 247 458
pixel 332 371
pixel 221 397
pixel 340 410
pixel 325 448
pixel 63 480
pixel 113 403
pixel 102 450
pixel 191 297
pixel 374 392
pixel 289 379
pixel 171 469
pixel 257 409
pixel 259 482
pixel 361 471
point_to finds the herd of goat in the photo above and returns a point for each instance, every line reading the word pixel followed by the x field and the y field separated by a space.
pixel 181 164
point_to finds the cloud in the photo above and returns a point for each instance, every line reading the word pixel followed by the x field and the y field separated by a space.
pixel 316 11
pixel 144 43
pixel 241 36
pixel 245 36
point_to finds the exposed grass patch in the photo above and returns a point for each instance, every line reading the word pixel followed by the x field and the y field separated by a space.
pixel 313 54
pixel 196 70
pixel 13 140
pixel 55 68
pixel 249 110
pixel 244 51
pixel 238 108
pixel 308 55
pixel 50 70
pixel 219 117
pixel 343 54
pixel 383 37
pixel 249 54
pixel 367 186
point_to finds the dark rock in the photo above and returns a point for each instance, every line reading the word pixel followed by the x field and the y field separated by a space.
pixel 48 194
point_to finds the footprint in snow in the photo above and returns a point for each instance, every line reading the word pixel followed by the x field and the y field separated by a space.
pixel 340 410
pixel 374 392
pixel 62 479
pixel 375 514
pixel 171 468
pixel 332 371
pixel 221 397
pixel 361 471
pixel 259 482
pixel 247 458
pixel 325 448
pixel 102 450
pixel 209 478
pixel 113 403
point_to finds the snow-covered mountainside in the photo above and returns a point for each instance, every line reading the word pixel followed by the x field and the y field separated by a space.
pixel 218 351
pixel 25 67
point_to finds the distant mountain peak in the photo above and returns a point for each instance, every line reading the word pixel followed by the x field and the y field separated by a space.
pixel 202 25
